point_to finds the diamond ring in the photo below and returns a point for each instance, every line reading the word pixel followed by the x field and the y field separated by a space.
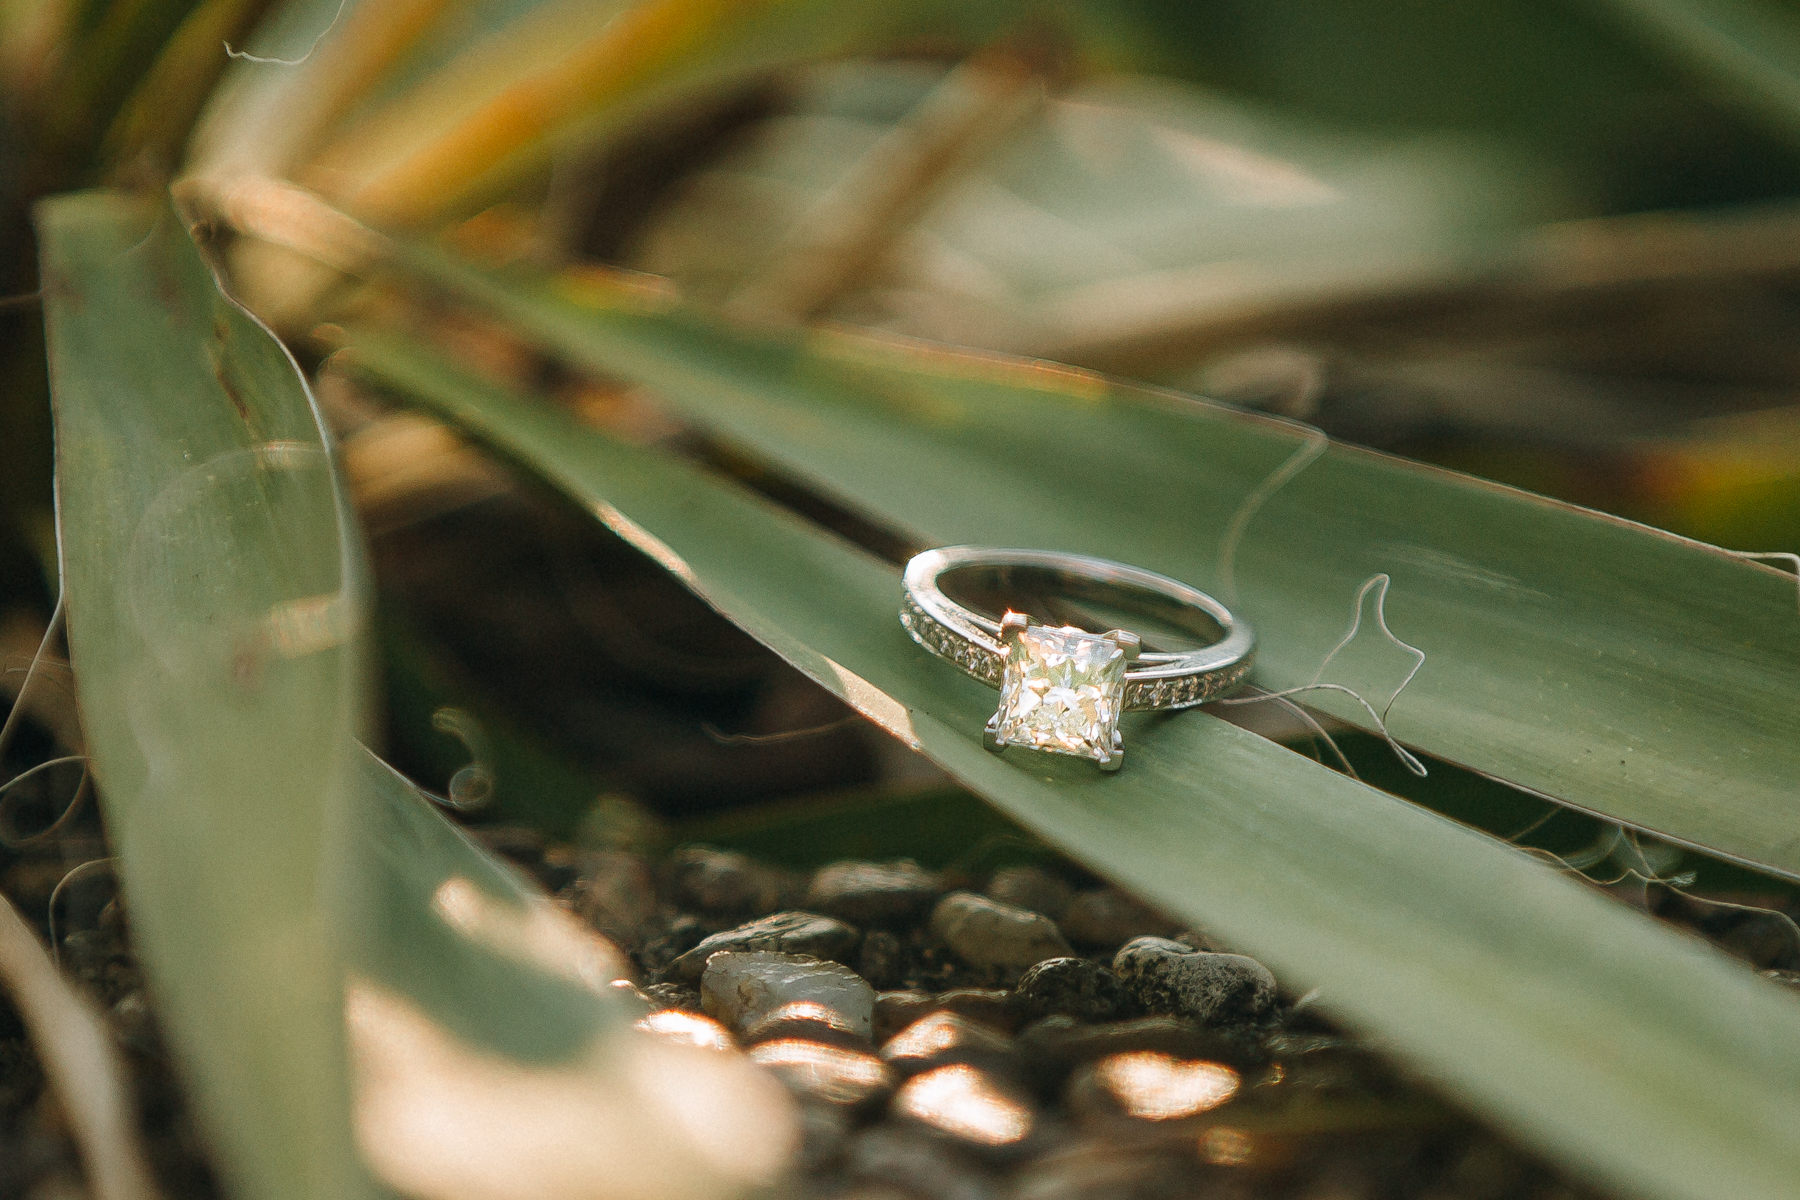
pixel 1062 688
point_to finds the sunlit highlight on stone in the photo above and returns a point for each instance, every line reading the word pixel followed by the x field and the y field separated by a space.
pixel 823 1072
pixel 811 1010
pixel 925 1037
pixel 961 1101
pixel 1062 691
pixel 686 1028
pixel 1160 1087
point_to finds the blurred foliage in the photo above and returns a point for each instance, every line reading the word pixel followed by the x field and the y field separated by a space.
pixel 1430 228
pixel 208 561
pixel 1535 620
pixel 1386 907
pixel 1560 82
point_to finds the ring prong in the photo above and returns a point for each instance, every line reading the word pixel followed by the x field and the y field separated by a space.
pixel 1113 761
pixel 990 735
pixel 1127 641
pixel 1011 626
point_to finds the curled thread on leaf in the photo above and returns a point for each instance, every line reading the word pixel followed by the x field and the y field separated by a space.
pixel 472 786
pixel 1581 860
pixel 1315 731
pixel 1315 445
pixel 1299 460
pixel 1406 757
pixel 1555 810
pixel 246 56
pixel 8 838
pixel 1381 582
pixel 15 841
pixel 1638 867
pixel 59 664
pixel 50 917
pixel 1783 555
pixel 768 739
pixel 31 672
pixel 1617 836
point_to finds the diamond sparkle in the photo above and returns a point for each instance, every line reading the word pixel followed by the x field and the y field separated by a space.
pixel 1062 691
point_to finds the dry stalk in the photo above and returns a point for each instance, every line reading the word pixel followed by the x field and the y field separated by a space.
pixel 281 214
pixel 890 187
pixel 296 250
pixel 1175 316
pixel 76 1050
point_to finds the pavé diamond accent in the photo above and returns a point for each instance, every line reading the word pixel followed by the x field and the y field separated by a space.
pixel 987 666
pixel 1062 691
pixel 979 661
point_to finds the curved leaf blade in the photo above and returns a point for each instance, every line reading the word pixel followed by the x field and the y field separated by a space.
pixel 1643 677
pixel 1597 1034
pixel 200 527
pixel 216 612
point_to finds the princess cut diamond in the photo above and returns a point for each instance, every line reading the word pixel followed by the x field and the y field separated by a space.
pixel 1062 691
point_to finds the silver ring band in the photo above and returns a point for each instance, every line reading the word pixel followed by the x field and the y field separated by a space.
pixel 1154 681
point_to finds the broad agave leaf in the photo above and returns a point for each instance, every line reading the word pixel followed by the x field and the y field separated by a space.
pixel 1607 1040
pixel 278 875
pixel 1644 677
pixel 491 1048
pixel 215 600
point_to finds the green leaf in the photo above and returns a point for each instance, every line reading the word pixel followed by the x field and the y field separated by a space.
pixel 1745 51
pixel 98 70
pixel 1641 676
pixel 214 601
pixel 216 611
pixel 532 783
pixel 1607 1040
pixel 478 989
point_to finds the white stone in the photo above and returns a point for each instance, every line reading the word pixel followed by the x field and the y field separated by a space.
pixel 995 936
pixel 1063 691
pixel 741 987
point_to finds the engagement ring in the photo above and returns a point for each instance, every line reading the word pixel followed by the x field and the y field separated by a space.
pixel 1062 687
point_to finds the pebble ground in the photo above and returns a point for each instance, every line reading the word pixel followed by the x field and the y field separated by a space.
pixel 1022 1034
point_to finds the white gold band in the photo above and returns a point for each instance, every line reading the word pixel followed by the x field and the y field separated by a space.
pixel 1154 681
